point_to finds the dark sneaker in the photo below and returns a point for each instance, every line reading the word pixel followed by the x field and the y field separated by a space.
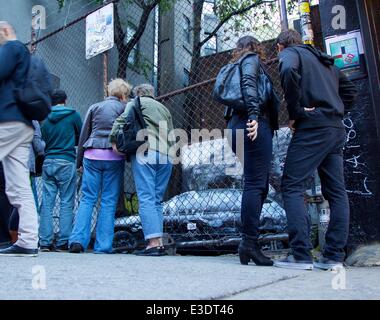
pixel 49 248
pixel 152 252
pixel 327 264
pixel 76 248
pixel 62 248
pixel 5 245
pixel 292 263
pixel 16 251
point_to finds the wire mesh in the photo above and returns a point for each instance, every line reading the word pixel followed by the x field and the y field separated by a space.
pixel 180 46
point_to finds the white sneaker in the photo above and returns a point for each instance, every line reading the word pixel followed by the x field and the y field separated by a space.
pixel 327 264
pixel 292 263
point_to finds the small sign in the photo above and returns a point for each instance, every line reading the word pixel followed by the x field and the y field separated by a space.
pixel 100 31
pixel 346 49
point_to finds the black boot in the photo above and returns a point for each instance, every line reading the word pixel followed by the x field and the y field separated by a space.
pixel 249 249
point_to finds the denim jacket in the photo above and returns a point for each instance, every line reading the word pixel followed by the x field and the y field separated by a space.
pixel 98 125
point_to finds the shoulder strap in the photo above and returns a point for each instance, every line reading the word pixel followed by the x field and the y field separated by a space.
pixel 138 109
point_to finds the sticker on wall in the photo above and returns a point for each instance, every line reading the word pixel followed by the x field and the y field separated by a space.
pixel 346 49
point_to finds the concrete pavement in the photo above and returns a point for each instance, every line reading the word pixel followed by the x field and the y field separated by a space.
pixel 89 276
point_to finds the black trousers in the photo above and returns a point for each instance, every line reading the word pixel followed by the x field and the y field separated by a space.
pixel 312 149
pixel 5 210
pixel 257 162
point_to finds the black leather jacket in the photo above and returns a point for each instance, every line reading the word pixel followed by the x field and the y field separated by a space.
pixel 250 65
pixel 250 68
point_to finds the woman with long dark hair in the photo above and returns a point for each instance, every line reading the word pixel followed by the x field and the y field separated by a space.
pixel 254 121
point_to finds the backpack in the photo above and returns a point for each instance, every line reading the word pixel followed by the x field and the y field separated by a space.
pixel 34 97
pixel 227 91
pixel 126 139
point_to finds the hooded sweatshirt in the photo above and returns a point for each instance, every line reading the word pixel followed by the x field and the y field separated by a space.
pixel 311 80
pixel 61 132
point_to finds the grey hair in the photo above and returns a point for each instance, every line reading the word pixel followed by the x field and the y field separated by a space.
pixel 6 25
pixel 143 90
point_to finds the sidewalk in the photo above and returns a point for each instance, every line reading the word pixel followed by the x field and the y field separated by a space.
pixel 92 276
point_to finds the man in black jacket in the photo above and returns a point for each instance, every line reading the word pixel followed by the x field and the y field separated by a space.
pixel 317 95
pixel 16 135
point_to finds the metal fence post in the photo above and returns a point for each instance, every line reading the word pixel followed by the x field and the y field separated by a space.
pixel 105 66
pixel 284 15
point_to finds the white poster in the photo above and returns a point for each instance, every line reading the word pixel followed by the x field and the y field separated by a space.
pixel 100 31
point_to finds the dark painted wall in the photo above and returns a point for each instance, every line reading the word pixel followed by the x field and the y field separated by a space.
pixel 362 157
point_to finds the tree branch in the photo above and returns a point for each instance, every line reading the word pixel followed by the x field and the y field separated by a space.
pixel 142 25
pixel 228 17
pixel 119 34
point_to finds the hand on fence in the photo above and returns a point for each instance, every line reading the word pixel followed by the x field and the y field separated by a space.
pixel 252 127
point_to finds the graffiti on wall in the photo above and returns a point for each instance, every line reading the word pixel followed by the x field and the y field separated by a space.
pixel 356 166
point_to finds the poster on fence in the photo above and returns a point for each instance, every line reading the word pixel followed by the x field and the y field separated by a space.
pixel 100 31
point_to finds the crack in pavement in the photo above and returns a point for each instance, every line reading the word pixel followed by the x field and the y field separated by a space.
pixel 230 295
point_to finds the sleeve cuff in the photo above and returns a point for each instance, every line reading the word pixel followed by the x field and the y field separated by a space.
pixel 253 117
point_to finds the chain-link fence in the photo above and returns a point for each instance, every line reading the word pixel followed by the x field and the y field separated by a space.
pixel 179 46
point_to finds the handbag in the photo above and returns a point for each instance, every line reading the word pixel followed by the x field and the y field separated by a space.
pixel 227 91
pixel 126 139
pixel 227 88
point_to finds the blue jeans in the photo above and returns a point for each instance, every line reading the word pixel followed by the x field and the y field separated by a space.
pixel 257 163
pixel 151 179
pixel 103 177
pixel 58 175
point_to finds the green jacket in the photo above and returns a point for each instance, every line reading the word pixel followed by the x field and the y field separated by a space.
pixel 154 113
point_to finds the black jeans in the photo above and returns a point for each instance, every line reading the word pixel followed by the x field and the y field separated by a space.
pixel 309 150
pixel 257 163
pixel 5 210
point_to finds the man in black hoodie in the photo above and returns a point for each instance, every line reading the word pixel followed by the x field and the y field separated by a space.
pixel 317 94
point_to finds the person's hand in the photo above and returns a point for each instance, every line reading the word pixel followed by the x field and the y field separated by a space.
pixel 291 125
pixel 114 148
pixel 252 127
pixel 80 170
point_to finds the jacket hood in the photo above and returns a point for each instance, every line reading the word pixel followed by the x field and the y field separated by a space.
pixel 322 57
pixel 58 113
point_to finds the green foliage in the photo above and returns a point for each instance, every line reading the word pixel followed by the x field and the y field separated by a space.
pixel 224 8
pixel 246 16
pixel 145 67
pixel 61 3
pixel 131 204
pixel 165 5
